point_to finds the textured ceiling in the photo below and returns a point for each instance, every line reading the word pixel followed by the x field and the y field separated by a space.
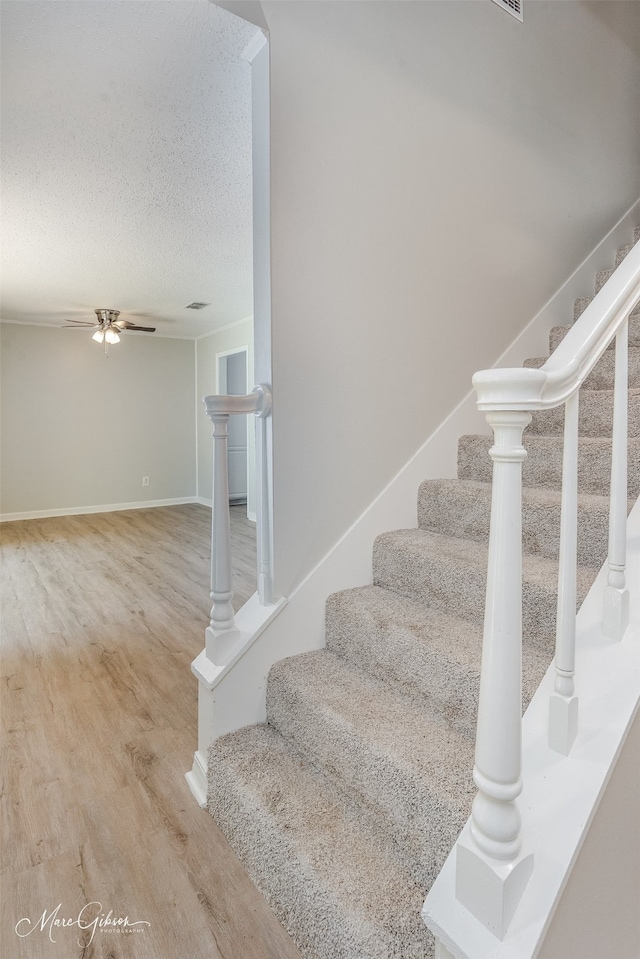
pixel 126 172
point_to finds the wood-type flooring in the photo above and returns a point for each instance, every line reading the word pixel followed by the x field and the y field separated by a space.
pixel 102 615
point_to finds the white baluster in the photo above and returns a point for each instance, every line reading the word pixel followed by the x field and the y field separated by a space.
pixel 491 868
pixel 616 597
pixel 221 588
pixel 563 703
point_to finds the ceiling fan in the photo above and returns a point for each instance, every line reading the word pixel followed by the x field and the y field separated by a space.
pixel 108 327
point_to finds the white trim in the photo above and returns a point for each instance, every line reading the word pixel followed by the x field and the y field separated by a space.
pixel 197 780
pixel 108 508
pixel 85 329
pixel 203 501
pixel 221 329
pixel 254 46
pixel 164 336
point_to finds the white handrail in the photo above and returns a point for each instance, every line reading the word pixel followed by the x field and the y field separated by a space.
pixel 493 865
pixel 575 357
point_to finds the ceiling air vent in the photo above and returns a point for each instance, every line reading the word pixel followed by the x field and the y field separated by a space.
pixel 196 306
pixel 514 7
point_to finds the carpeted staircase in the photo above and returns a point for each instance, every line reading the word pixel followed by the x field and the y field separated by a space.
pixel 345 804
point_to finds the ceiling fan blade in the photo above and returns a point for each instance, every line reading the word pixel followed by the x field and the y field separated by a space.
pixel 71 323
pixel 124 325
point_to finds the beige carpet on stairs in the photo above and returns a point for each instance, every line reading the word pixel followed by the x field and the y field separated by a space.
pixel 344 805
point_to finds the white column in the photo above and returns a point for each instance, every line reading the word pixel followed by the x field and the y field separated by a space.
pixel 616 597
pixel 491 868
pixel 563 703
pixel 221 588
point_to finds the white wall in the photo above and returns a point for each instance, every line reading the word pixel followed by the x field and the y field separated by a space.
pixel 207 348
pixel 437 170
pixel 81 430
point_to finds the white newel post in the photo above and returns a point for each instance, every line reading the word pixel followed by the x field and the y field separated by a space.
pixel 221 588
pixel 226 635
pixel 616 596
pixel 491 867
pixel 563 703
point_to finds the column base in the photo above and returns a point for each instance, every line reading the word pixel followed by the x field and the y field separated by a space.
pixel 488 888
pixel 615 617
pixel 563 722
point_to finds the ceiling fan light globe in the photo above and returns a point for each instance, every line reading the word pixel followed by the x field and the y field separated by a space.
pixel 111 336
pixel 98 336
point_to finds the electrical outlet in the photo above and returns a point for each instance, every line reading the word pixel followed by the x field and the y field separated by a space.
pixel 145 480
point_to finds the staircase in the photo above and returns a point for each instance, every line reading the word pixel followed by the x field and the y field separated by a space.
pixel 345 804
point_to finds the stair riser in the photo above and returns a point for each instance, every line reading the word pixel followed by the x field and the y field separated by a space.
pixel 456 510
pixel 595 417
pixel 602 377
pixel 543 465
pixel 405 806
pixel 558 334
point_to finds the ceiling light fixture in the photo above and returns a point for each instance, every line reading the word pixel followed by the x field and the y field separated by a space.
pixel 107 332
pixel 109 327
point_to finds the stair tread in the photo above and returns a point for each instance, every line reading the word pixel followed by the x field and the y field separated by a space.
pixel 397 758
pixel 543 465
pixel 535 569
pixel 427 566
pixel 411 735
pixel 530 494
pixel 425 652
pixel 336 885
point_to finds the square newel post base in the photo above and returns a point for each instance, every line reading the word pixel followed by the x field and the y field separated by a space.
pixel 615 618
pixel 563 722
pixel 488 888
pixel 221 644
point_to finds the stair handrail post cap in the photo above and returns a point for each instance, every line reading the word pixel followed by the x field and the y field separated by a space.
pixel 265 400
pixel 509 389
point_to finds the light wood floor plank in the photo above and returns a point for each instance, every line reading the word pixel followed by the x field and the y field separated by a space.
pixel 102 616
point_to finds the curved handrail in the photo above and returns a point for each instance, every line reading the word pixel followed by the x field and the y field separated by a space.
pixel 575 357
pixel 258 401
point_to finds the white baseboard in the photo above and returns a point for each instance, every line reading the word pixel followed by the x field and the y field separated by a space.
pixel 300 625
pixel 107 508
pixel 203 501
